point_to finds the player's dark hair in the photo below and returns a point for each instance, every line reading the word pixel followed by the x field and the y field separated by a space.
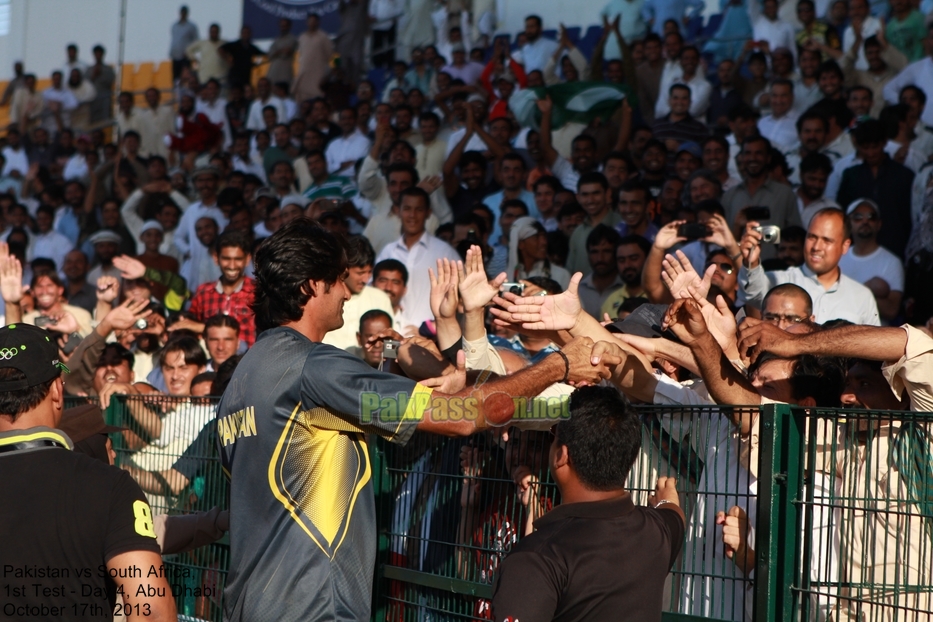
pixel 14 403
pixel 286 263
pixel 602 436
pixel 224 373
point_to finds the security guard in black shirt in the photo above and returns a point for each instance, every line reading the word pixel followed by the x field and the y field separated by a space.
pixel 74 531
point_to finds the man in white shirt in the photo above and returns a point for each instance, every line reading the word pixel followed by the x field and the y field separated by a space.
pixel 264 97
pixel 153 123
pixel 538 50
pixel 47 242
pixel 17 163
pixel 834 295
pixel 769 28
pixel 419 251
pixel 363 297
pixel 919 74
pixel 59 102
pixel 206 180
pixel 700 88
pixel 859 19
pixel 342 153
pixel 391 276
pixel 207 53
pixel 214 107
pixel 780 127
pixel 871 264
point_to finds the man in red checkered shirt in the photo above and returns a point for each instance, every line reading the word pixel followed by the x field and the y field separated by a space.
pixel 232 294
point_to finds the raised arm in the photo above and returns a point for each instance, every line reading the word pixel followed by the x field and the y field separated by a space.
pixel 877 343
pixel 444 301
pixel 726 385
pixel 651 274
pixel 546 107
pixel 451 179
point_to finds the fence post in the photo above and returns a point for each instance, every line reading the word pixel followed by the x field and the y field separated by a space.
pixel 382 490
pixel 780 472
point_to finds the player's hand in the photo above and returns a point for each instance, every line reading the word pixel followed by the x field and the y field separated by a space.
pixel 665 490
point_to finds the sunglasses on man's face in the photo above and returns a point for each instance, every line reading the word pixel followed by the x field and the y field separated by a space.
pixel 725 266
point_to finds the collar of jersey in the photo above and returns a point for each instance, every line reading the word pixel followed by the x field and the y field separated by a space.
pixel 40 433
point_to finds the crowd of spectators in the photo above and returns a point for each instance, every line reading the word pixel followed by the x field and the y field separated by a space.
pixel 765 196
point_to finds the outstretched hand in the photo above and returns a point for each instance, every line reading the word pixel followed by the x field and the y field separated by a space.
pixel 560 312
pixel 475 291
pixel 444 299
pixel 129 267
pixel 686 321
pixel 679 274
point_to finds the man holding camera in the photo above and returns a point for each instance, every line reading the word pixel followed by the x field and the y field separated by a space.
pixel 758 189
pixel 835 296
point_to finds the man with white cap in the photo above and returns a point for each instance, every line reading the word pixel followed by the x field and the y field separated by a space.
pixel 151 235
pixel 871 264
pixel 463 68
pixel 106 245
pixel 528 253
pixel 206 180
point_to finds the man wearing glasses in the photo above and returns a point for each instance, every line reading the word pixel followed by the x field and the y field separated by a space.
pixel 788 307
pixel 834 294
pixel 871 264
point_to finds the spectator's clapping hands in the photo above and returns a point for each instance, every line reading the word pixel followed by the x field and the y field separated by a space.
pixel 444 296
pixel 475 291
pixel 129 267
pixel 561 312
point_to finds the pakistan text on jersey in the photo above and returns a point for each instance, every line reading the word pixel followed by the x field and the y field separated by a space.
pixel 237 425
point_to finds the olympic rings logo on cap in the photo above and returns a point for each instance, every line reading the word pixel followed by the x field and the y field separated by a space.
pixel 8 353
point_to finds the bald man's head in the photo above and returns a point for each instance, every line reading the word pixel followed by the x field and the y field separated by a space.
pixel 786 305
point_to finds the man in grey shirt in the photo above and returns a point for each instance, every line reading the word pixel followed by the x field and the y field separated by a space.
pixel 834 295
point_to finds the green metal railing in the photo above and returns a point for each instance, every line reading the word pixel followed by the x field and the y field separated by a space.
pixel 187 430
pixel 842 510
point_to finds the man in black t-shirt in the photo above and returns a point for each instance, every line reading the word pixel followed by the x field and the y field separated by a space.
pixel 597 556
pixel 292 427
pixel 74 531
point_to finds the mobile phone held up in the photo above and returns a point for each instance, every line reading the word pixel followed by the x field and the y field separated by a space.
pixel 693 231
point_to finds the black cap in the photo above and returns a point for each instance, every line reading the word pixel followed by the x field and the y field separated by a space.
pixel 31 350
pixel 645 321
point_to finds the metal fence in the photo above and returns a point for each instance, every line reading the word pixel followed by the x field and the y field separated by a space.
pixel 164 433
pixel 841 510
